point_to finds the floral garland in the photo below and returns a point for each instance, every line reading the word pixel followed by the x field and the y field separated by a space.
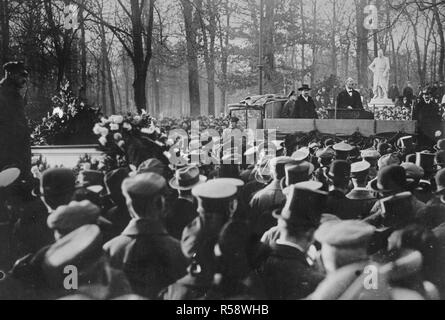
pixel 69 122
pixel 116 133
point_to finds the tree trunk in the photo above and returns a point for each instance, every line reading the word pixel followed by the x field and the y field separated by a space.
pixel 192 58
pixel 440 30
pixel 362 44
pixel 83 55
pixel 5 31
pixel 333 42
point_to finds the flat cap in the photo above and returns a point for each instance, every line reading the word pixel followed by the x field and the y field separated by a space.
pixel 73 216
pixel 301 154
pixel 343 147
pixel 236 182
pixel 327 153
pixel 144 185
pixel 73 249
pixel 345 234
pixel 215 189
pixel 360 167
pixel 8 176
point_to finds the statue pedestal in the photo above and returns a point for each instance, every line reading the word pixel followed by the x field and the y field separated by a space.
pixel 381 103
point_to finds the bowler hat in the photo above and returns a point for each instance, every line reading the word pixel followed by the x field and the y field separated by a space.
pixel 389 179
pixel 304 206
pixel 59 181
pixel 187 178
pixel 327 153
pixel 413 172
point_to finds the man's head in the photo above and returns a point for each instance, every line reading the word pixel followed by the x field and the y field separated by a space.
pixel 344 243
pixel 427 97
pixel 234 121
pixel 360 173
pixel 144 194
pixel 305 91
pixel 57 187
pixel 340 174
pixel 16 73
pixel 380 53
pixel 350 83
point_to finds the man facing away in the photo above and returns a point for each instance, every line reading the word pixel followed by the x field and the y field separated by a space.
pixel 15 145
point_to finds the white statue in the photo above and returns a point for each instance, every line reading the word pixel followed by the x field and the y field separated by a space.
pixel 381 67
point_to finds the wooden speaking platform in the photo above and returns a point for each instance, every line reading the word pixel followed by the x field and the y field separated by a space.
pixel 340 127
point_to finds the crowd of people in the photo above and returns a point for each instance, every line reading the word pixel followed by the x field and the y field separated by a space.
pixel 306 222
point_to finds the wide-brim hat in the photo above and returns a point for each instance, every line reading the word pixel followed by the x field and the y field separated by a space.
pixel 187 178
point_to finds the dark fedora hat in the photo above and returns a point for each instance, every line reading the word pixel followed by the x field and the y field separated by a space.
pixel 390 178
pixel 187 178
pixel 304 206
pixel 305 87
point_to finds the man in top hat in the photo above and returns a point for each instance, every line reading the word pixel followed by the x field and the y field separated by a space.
pixel 349 98
pixel 183 210
pixel 15 142
pixel 392 181
pixel 338 204
pixel 428 117
pixel 362 199
pixel 271 197
pixel 287 274
pixel 148 255
pixel 305 107
pixel 216 205
pixel 345 256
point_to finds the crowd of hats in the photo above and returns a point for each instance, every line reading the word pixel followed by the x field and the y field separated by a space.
pixel 294 198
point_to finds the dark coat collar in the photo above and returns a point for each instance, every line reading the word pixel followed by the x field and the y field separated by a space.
pixel 139 227
pixel 287 252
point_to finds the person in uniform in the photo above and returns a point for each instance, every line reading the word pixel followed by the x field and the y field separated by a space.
pixel 147 254
pixel 362 199
pixel 287 273
pixel 15 142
